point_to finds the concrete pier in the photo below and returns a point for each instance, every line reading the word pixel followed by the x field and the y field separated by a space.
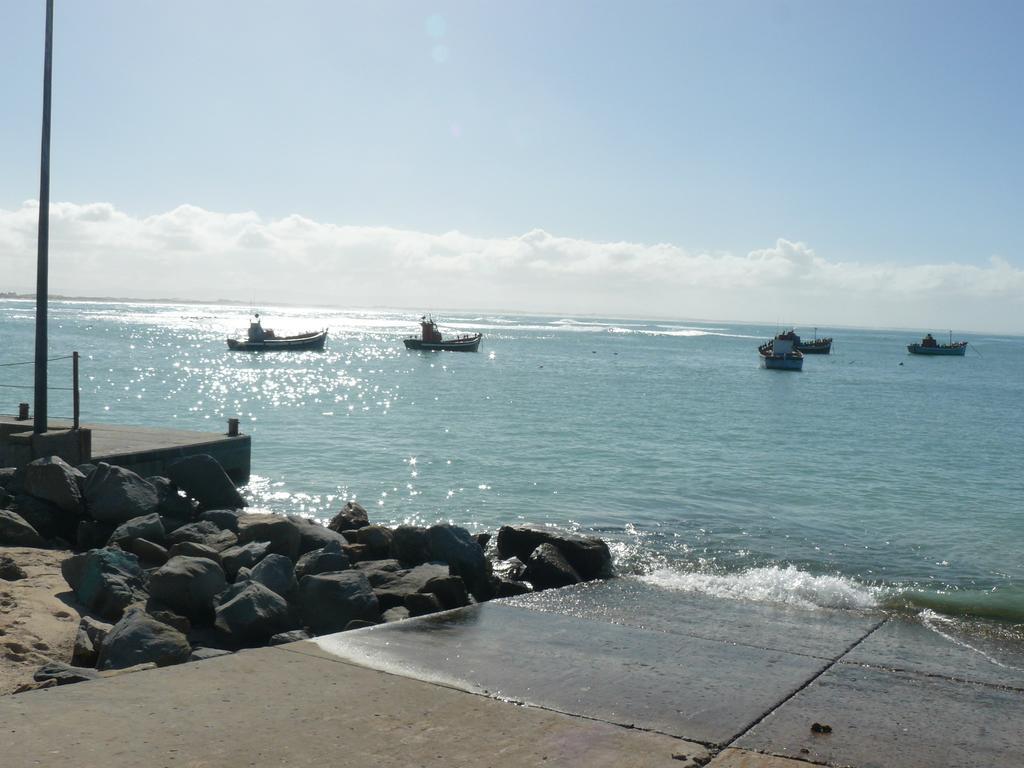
pixel 615 674
pixel 145 450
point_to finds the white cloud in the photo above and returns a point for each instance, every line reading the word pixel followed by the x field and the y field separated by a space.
pixel 99 250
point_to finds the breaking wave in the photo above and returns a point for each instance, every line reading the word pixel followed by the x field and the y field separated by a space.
pixel 773 584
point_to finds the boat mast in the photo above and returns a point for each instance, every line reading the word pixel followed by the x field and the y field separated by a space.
pixel 42 258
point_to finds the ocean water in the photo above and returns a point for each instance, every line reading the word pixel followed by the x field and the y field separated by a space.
pixel 870 479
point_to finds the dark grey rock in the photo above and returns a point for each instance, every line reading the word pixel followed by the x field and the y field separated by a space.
pixel 589 556
pixel 294 636
pixel 139 638
pixel 203 532
pixel 509 588
pixel 482 539
pixel 174 508
pixel 147 551
pixel 116 495
pixel 160 613
pixel 16 532
pixel 398 613
pixel 329 558
pixel 351 516
pixel 379 571
pixel 54 480
pixel 64 674
pixel 391 588
pixel 91 534
pixel 350 535
pixel 188 585
pixel 49 520
pixel 243 556
pixel 83 653
pixel 355 553
pixel 410 545
pixel 281 638
pixel 450 591
pixel 422 603
pixel 192 549
pixel 10 570
pixel 202 654
pixel 148 527
pixel 6 499
pixel 376 539
pixel 547 568
pixel 313 535
pixel 512 569
pixel 276 573
pixel 454 545
pixel 225 519
pixel 359 624
pixel 95 629
pixel 329 601
pixel 253 614
pixel 105 581
pixel 282 534
pixel 203 478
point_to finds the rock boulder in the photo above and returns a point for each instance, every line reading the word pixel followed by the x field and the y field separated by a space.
pixel 252 615
pixel 139 638
pixel 455 546
pixel 351 516
pixel 329 601
pixel 588 556
pixel 203 478
pixel 54 480
pixel 106 581
pixel 188 585
pixel 547 568
pixel 329 558
pixel 116 495
pixel 16 532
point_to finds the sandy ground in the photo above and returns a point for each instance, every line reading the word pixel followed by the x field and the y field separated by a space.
pixel 38 617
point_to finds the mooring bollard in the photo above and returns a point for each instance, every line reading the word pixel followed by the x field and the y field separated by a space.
pixel 232 427
pixel 22 411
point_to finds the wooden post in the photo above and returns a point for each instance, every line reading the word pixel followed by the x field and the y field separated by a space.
pixel 42 260
pixel 74 385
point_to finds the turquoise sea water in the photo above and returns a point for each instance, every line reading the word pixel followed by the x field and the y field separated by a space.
pixel 870 478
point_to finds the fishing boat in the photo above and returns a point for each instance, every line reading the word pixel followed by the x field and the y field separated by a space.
pixel 431 340
pixel 929 346
pixel 781 353
pixel 260 339
pixel 815 346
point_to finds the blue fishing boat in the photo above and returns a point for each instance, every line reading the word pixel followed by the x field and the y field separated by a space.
pixel 929 346
pixel 781 353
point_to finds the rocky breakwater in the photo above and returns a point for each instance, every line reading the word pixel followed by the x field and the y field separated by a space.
pixel 175 569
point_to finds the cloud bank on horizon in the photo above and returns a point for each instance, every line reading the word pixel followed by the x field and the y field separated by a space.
pixel 191 253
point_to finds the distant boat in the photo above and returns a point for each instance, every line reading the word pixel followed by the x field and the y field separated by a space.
pixel 815 346
pixel 430 340
pixel 929 346
pixel 781 353
pixel 265 340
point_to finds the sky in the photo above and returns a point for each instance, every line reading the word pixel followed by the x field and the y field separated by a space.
pixel 807 162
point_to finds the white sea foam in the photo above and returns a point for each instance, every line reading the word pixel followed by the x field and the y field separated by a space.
pixel 772 584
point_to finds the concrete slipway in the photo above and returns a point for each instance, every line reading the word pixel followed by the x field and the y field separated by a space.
pixel 618 674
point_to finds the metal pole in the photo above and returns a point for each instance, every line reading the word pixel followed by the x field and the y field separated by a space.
pixel 74 386
pixel 42 265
